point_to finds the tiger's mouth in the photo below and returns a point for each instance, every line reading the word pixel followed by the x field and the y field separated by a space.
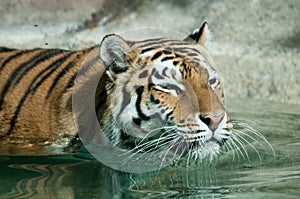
pixel 201 138
pixel 174 143
pixel 189 137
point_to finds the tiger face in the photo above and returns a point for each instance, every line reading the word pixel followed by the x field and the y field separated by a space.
pixel 166 89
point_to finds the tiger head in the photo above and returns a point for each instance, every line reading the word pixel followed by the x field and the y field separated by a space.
pixel 166 89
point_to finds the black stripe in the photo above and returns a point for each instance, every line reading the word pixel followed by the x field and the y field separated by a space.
pixel 153 100
pixel 51 68
pixel 156 42
pixel 149 49
pixel 32 89
pixel 156 39
pixel 181 50
pixel 147 40
pixel 195 63
pixel 167 51
pixel 126 98
pixel 175 63
pixel 118 70
pixel 143 74
pixel 192 54
pixel 150 82
pixel 139 92
pixel 150 45
pixel 186 50
pixel 150 85
pixel 164 72
pixel 196 60
pixel 223 95
pixel 137 121
pixel 19 69
pixel 64 71
pixel 169 114
pixel 70 83
pixel 15 56
pixel 150 41
pixel 11 79
pixel 184 66
pixel 167 58
pixel 176 43
pixel 156 55
pixel 158 76
pixel 34 62
pixel 16 113
pixel 153 72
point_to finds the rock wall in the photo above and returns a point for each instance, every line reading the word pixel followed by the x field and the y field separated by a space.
pixel 256 44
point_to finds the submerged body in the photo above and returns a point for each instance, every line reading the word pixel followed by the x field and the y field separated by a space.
pixel 160 88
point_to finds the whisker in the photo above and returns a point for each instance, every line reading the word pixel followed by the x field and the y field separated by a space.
pixel 189 155
pixel 258 134
pixel 196 151
pixel 177 148
pixel 164 143
pixel 235 139
pixel 167 151
pixel 170 128
pixel 156 141
pixel 144 146
pixel 249 143
pixel 150 143
pixel 231 146
pixel 137 150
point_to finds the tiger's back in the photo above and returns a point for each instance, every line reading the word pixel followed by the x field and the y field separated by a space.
pixel 35 91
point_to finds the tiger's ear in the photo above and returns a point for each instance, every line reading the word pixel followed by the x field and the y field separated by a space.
pixel 199 35
pixel 115 53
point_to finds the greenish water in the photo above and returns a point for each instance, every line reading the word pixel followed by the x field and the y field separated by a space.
pixel 260 175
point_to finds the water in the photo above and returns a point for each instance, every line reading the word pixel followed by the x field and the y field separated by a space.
pixel 261 175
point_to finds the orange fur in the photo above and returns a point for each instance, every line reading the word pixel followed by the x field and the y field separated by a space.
pixel 28 113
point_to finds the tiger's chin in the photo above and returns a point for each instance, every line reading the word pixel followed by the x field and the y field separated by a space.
pixel 205 145
pixel 209 150
pixel 206 149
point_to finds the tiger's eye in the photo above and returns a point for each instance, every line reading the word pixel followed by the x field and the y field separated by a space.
pixel 212 81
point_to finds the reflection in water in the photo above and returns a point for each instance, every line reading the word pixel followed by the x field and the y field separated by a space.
pixel 82 179
pixel 60 179
pixel 33 186
pixel 92 180
pixel 256 175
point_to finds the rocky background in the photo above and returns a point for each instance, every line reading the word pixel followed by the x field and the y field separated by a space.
pixel 255 44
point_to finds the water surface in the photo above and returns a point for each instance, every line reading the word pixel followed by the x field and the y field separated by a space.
pixel 255 174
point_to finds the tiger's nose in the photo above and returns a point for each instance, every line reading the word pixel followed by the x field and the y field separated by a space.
pixel 212 121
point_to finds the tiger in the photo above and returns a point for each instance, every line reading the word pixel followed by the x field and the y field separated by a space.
pixel 166 86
